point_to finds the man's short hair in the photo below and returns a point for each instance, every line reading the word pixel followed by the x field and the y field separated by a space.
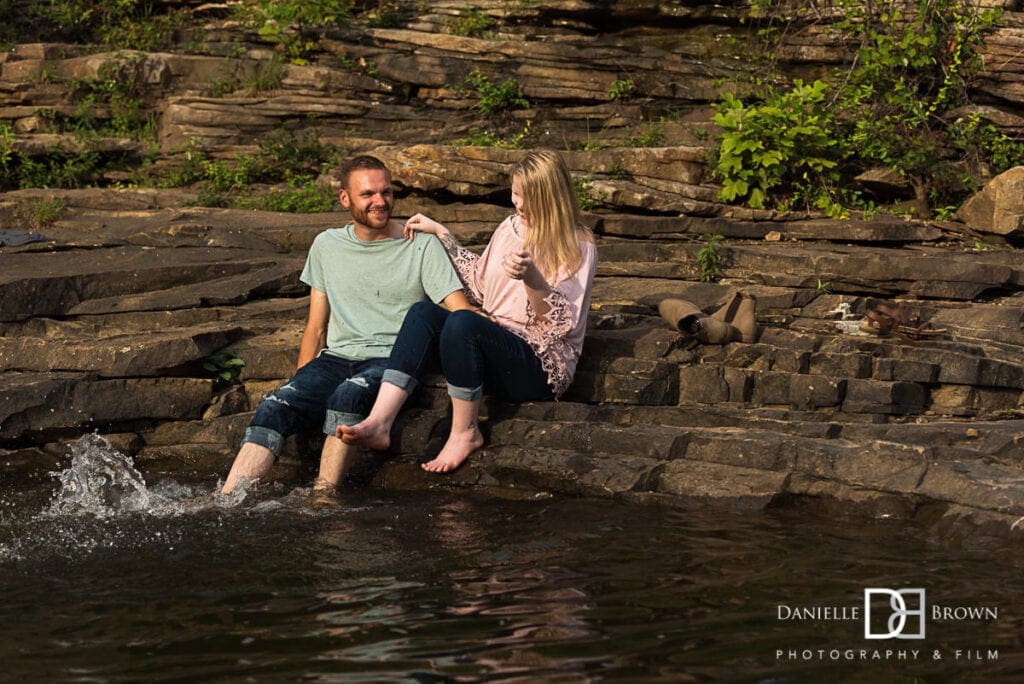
pixel 362 162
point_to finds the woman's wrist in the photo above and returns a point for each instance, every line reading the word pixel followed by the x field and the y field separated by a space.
pixel 536 282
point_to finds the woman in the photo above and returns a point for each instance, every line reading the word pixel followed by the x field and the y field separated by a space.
pixel 532 285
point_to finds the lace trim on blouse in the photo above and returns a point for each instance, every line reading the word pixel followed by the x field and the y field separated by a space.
pixel 464 262
pixel 547 338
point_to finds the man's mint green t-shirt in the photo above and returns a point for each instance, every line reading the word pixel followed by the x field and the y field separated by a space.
pixel 371 285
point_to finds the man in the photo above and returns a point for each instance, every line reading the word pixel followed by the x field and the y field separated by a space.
pixel 363 279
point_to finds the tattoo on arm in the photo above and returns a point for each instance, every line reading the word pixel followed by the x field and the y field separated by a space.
pixel 451 244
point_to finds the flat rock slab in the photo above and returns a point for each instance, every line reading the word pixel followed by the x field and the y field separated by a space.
pixel 129 278
pixel 876 232
pixel 42 404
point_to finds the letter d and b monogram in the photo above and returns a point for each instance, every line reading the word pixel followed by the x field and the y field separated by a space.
pixel 901 618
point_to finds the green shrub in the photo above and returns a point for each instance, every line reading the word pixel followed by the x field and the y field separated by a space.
pixel 57 169
pixel 8 158
pixel 584 196
pixel 472 23
pixel 125 24
pixel 650 135
pixel 225 366
pixel 621 89
pixel 709 259
pixel 301 197
pixel 118 88
pixel 388 15
pixel 269 75
pixel 46 212
pixel 282 157
pixel 189 170
pixel 785 141
pixel 496 98
pixel 60 170
pixel 481 138
pixel 229 74
pixel 981 142
pixel 911 65
pixel 286 22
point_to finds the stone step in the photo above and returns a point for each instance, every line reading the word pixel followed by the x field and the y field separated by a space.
pixel 610 460
pixel 858 384
pixel 863 356
pixel 958 276
pixel 671 432
pixel 854 373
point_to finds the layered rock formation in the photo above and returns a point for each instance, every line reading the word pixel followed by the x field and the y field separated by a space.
pixel 107 322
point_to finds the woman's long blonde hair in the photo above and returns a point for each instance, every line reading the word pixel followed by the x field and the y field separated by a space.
pixel 553 213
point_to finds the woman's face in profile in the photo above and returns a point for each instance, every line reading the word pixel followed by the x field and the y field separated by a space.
pixel 517 197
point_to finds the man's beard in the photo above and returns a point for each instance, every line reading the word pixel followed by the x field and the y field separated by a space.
pixel 373 219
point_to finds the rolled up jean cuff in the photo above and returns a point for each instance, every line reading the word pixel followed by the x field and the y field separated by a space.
pixel 265 437
pixel 465 394
pixel 400 380
pixel 335 418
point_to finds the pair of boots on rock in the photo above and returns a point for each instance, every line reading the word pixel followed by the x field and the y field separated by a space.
pixel 734 321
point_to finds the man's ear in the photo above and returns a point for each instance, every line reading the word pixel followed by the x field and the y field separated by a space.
pixel 344 198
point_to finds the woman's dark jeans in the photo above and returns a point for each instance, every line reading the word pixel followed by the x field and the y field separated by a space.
pixel 476 354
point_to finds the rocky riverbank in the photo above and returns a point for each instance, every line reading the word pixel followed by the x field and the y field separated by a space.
pixel 107 319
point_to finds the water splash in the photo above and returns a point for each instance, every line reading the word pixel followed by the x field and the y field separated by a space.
pixel 101 481
pixel 103 504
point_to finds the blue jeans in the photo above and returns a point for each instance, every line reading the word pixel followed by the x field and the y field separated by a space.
pixel 476 354
pixel 328 389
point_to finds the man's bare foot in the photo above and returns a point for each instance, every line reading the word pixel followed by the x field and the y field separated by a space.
pixel 252 462
pixel 456 450
pixel 369 433
pixel 324 493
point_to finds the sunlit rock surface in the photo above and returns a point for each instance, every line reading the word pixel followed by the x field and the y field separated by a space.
pixel 106 322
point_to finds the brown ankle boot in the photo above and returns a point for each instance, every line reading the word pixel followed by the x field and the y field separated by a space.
pixel 678 312
pixel 727 312
pixel 685 317
pixel 745 319
pixel 710 330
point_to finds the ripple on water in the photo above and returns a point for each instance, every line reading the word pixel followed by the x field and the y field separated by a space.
pixel 114 578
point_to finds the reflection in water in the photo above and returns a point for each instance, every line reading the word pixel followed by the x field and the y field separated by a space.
pixel 115 579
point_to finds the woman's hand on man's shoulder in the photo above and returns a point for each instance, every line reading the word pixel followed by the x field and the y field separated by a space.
pixel 419 223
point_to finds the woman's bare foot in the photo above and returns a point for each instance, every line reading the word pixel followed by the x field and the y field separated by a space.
pixel 369 433
pixel 456 450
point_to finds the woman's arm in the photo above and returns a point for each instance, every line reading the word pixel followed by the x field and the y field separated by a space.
pixel 457 301
pixel 520 266
pixel 554 310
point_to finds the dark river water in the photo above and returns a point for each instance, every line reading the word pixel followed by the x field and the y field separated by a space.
pixel 107 578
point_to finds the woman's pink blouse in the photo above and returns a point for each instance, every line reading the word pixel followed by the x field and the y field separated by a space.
pixel 557 337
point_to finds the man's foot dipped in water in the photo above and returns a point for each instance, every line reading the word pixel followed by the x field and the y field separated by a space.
pixel 324 493
pixel 370 433
pixel 456 450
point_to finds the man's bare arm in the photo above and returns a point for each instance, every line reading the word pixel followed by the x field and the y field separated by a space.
pixel 314 337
